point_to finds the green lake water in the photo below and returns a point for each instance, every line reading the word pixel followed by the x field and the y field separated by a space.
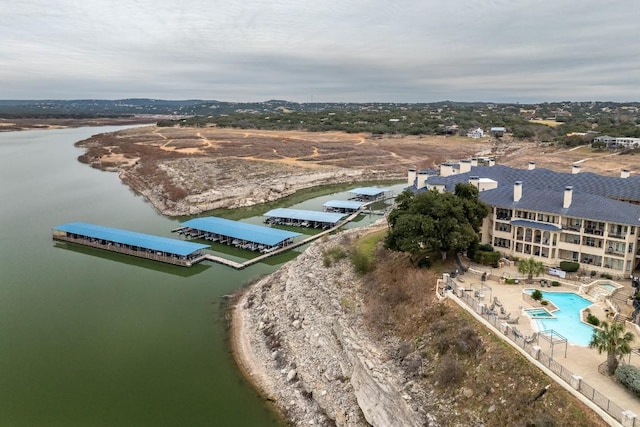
pixel 90 338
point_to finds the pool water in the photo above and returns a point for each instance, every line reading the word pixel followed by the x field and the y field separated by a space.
pixel 538 313
pixel 608 287
pixel 567 319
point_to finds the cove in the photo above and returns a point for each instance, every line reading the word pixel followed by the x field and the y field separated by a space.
pixel 89 337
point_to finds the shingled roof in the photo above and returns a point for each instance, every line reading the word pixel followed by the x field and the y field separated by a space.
pixel 627 189
pixel 595 197
pixel 583 205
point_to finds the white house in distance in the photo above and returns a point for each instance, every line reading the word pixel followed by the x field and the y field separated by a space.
pixel 475 133
pixel 618 142
pixel 552 216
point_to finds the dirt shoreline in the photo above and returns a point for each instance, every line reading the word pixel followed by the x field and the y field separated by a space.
pixel 246 360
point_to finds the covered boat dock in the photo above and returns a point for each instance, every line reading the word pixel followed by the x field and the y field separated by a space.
pixel 157 248
pixel 369 194
pixel 239 234
pixel 343 206
pixel 303 218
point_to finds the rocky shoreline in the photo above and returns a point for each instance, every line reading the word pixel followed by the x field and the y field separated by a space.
pixel 298 336
pixel 240 192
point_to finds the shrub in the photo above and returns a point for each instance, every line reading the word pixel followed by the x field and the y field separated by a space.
pixel 486 247
pixel 487 257
pixel 593 320
pixel 469 342
pixel 361 262
pixel 569 266
pixel 606 276
pixel 544 302
pixel 329 256
pixel 510 281
pixel 555 283
pixel 629 376
pixel 593 273
pixel 536 295
pixel 450 371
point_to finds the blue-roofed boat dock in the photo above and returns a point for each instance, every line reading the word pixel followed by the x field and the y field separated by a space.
pixel 141 245
pixel 268 241
pixel 303 218
pixel 369 194
pixel 276 249
pixel 239 234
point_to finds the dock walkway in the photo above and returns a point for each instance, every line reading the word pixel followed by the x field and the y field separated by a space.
pixel 240 266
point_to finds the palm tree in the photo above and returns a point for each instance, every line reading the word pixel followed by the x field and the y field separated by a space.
pixel 611 340
pixel 530 267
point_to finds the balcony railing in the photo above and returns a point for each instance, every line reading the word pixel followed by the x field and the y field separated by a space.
pixel 617 235
pixel 594 231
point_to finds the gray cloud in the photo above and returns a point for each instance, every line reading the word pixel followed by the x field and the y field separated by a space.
pixel 302 50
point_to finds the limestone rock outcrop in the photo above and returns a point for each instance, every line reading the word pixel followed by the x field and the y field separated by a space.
pixel 304 324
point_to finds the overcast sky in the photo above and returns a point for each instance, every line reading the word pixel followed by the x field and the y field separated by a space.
pixel 321 50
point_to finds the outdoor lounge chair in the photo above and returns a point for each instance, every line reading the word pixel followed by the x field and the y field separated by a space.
pixel 531 338
pixel 502 310
pixel 496 302
pixel 514 321
pixel 516 333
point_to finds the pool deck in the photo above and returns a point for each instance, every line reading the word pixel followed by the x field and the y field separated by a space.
pixel 580 360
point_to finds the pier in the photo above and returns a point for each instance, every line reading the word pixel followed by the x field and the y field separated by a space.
pixel 163 249
pixel 245 264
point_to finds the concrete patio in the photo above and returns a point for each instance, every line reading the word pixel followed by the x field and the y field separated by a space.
pixel 582 361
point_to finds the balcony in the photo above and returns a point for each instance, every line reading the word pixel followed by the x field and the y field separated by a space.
pixel 594 231
pixel 569 227
pixel 617 235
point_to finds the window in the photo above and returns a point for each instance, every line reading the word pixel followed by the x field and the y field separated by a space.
pixel 501 226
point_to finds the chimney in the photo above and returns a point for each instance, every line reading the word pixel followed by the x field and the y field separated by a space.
pixel 624 173
pixel 475 181
pixel 474 161
pixel 568 193
pixel 517 191
pixel 411 177
pixel 421 181
pixel 532 165
pixel 575 168
pixel 446 169
pixel 465 166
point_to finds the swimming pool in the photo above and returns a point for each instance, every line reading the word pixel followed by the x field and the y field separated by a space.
pixel 608 287
pixel 566 320
pixel 539 313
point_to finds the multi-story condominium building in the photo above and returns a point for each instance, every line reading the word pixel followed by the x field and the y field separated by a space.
pixel 552 216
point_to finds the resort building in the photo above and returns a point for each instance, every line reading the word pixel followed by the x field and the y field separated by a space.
pixel 553 216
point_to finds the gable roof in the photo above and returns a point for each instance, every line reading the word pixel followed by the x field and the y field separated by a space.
pixel 583 205
pixel 627 189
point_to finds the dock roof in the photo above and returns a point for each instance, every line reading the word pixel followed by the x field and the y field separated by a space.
pixel 241 230
pixel 344 204
pixel 305 215
pixel 369 191
pixel 131 238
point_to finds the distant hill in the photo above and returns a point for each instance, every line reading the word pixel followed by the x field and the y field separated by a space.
pixel 546 122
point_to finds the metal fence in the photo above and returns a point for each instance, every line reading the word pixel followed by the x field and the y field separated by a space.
pixel 511 332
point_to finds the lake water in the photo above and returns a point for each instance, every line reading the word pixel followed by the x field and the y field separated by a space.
pixel 92 338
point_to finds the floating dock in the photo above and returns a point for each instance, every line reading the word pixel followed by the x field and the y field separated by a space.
pixel 163 249
pixel 239 234
pixel 303 218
